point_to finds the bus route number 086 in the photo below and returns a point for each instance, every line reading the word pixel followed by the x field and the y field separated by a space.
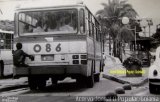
pixel 37 48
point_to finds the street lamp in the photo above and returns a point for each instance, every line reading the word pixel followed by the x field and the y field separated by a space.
pixel 125 20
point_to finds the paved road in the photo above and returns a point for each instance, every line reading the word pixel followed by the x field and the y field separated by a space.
pixel 67 89
pixel 143 94
pixel 140 91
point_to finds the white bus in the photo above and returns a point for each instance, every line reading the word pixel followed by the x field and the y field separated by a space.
pixel 65 42
pixel 6 62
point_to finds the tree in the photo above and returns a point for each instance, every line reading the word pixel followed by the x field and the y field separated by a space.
pixel 111 15
pixel 156 41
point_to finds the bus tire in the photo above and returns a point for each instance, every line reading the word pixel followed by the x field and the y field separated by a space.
pixel 32 83
pixel 97 77
pixel 80 81
pixel 54 81
pixel 41 84
pixel 90 82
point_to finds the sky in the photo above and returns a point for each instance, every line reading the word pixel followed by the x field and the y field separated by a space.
pixel 145 8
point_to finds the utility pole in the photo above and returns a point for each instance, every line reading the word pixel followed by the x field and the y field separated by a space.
pixel 150 23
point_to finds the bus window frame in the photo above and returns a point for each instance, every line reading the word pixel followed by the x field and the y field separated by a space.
pixel 84 27
pixel 89 31
pixel 6 45
pixel 45 33
pixel 89 24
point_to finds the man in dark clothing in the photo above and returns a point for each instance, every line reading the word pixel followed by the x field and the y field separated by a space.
pixel 19 56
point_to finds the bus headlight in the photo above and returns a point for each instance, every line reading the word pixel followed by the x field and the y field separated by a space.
pixel 155 73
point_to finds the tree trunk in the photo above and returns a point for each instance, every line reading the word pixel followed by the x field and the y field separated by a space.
pixel 114 48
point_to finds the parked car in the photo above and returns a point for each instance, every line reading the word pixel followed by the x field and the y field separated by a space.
pixel 154 74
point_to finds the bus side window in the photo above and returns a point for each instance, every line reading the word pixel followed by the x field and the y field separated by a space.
pixel 97 35
pixel 87 22
pixel 90 25
pixel 82 21
pixel 93 26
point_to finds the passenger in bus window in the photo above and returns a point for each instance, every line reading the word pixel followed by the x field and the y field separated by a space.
pixel 38 27
pixel 50 23
pixel 66 25
pixel 27 28
pixel 19 56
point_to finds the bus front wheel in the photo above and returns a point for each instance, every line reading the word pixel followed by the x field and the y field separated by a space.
pixel 32 83
pixel 41 84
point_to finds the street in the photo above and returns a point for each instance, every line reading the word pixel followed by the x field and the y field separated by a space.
pixel 140 91
pixel 68 90
pixel 68 87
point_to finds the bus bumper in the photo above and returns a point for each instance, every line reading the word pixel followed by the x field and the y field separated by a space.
pixel 52 70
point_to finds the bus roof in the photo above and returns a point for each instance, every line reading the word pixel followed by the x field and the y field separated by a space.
pixel 49 7
pixel 4 31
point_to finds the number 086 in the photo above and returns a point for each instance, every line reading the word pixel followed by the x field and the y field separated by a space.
pixel 37 48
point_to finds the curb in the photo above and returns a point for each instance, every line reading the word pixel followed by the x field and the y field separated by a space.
pixel 12 87
pixel 123 81
pixel 6 77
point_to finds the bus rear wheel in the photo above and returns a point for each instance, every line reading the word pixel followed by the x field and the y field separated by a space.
pixel 32 83
pixel 54 81
pixel 41 84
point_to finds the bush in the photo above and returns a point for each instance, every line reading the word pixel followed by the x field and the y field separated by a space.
pixel 131 61
pixel 133 67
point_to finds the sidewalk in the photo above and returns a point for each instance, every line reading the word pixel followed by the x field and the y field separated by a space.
pixel 12 83
pixel 114 70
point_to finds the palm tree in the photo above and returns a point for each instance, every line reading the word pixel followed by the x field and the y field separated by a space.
pixel 111 16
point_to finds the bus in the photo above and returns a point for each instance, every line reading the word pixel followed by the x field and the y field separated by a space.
pixel 6 61
pixel 66 41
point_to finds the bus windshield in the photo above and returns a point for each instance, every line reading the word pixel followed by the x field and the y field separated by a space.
pixel 42 22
